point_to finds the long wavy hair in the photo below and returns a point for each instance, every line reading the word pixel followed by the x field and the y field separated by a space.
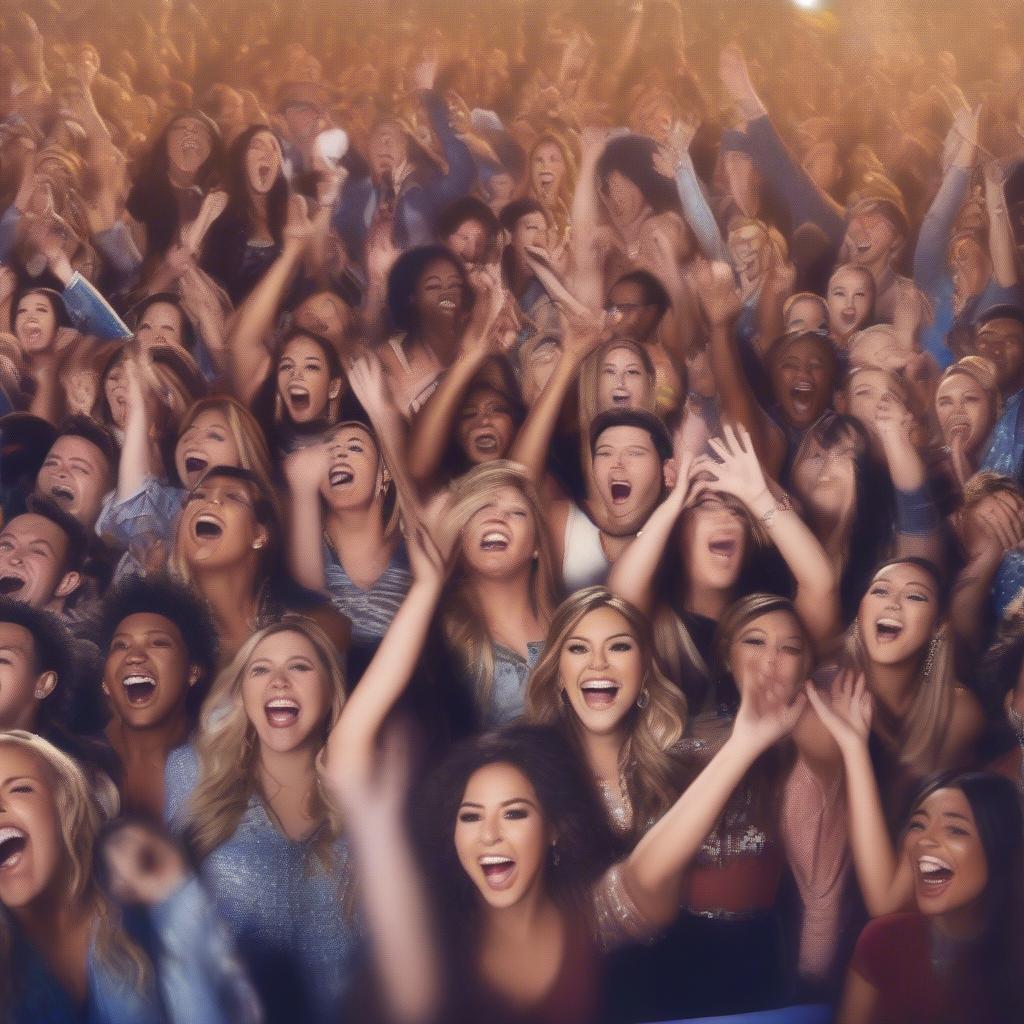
pixel 562 207
pixel 228 748
pixel 464 627
pixel 81 812
pixel 649 768
pixel 920 735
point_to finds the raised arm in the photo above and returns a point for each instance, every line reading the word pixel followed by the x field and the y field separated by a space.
pixel 886 879
pixel 135 463
pixel 736 470
pixel 248 357
pixel 1001 244
pixel 433 425
pixel 304 470
pixel 652 873
pixel 722 306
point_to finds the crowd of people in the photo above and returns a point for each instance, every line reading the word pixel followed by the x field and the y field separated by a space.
pixel 511 511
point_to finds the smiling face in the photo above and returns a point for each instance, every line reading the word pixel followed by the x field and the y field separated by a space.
pixel 304 383
pixel 160 324
pixel 33 560
pixel 218 527
pixel 871 238
pixel 262 162
pixel 438 296
pixel 355 473
pixel 1002 341
pixel 628 474
pixel 147 674
pixel 115 391
pixel 501 836
pixel 622 381
pixel 286 693
pixel 188 145
pixel 964 411
pixel 486 426
pixel 802 381
pixel 31 847
pixel 207 442
pixel 75 474
pixel 850 296
pixel 714 542
pixel 601 670
pixel 825 477
pixel 530 230
pixel 622 199
pixel 946 853
pixel 898 613
pixel 547 169
pixel 769 650
pixel 35 323
pixel 866 392
pixel 501 537
pixel 22 685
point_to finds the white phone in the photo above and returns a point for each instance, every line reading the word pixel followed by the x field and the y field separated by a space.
pixel 332 145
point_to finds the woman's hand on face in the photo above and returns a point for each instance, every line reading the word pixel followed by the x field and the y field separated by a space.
pixel 81 386
pixel 737 470
pixel 767 713
pixel 846 711
pixel 144 867
pixel 305 469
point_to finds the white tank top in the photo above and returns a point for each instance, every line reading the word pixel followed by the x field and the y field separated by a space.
pixel 584 563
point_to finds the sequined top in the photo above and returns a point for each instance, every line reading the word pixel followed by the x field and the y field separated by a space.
pixel 287 913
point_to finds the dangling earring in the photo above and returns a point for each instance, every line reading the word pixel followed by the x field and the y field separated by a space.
pixel 856 631
pixel 644 699
pixel 555 858
pixel 930 659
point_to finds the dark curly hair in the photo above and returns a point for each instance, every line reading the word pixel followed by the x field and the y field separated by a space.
pixel 406 273
pixel 175 601
pixel 633 157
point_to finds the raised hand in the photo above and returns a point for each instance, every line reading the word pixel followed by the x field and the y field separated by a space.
pixel 425 558
pixel 737 469
pixel 846 712
pixel 767 713
pixel 425 71
pixel 305 469
pixel 143 866
pixel 735 77
pixel 368 380
pixel 214 204
pixel 719 296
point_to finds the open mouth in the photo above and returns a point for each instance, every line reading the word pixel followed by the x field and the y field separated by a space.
pixel 723 547
pixel 299 397
pixel 802 396
pixel 207 527
pixel 340 476
pixel 10 585
pixel 848 317
pixel 139 689
pixel 888 630
pixel 599 694
pixel 495 540
pixel 862 247
pixel 61 494
pixel 621 491
pixel 281 712
pixel 263 172
pixel 498 870
pixel 195 464
pixel 934 873
pixel 12 843
pixel 620 398
pixel 448 305
pixel 486 443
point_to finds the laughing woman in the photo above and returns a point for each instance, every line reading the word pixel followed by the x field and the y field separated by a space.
pixel 67 957
pixel 270 849
pixel 501 592
pixel 959 865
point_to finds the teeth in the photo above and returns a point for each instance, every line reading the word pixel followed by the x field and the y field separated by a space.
pixel 599 684
pixel 138 681
pixel 10 832
pixel 283 702
pixel 803 386
pixel 62 493
pixel 446 304
pixel 495 537
pixel 486 442
pixel 340 476
pixel 492 859
pixel 930 865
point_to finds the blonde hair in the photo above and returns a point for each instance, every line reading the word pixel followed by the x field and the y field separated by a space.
pixel 919 737
pixel 983 372
pixel 650 771
pixel 463 626
pixel 80 815
pixel 253 453
pixel 228 747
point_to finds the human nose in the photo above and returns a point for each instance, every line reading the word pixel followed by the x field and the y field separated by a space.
pixel 490 828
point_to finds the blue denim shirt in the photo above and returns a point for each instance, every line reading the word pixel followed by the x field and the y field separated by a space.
pixel 287 913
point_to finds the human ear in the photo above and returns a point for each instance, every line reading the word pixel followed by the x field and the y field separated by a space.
pixel 70 582
pixel 46 683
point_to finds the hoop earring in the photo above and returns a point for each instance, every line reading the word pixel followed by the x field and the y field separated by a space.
pixel 644 699
pixel 929 660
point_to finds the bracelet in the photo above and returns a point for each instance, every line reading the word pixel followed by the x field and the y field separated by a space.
pixel 782 505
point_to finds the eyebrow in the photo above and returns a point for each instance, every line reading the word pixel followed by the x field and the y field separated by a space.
pixel 504 803
pixel 13 648
pixel 614 636
pixel 20 778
